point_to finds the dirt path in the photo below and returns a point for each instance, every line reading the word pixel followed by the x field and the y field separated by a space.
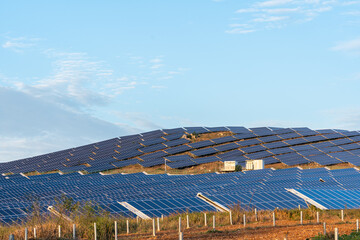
pixel 290 230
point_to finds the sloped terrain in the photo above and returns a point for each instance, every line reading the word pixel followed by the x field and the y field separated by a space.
pixel 186 147
pixel 129 195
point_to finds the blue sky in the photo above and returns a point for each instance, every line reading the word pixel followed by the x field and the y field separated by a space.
pixel 75 72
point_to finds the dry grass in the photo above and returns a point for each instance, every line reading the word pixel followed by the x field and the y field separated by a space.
pixel 47 228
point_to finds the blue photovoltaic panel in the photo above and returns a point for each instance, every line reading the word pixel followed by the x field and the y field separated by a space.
pixel 300 148
pixel 173 131
pixel 232 153
pixel 253 149
pixel 262 131
pixel 292 159
pixel 333 136
pixel 350 146
pixel 284 131
pixel 341 141
pixel 296 141
pixel 350 133
pixel 178 158
pixel 201 144
pixel 152 162
pixel 275 145
pixel 259 155
pixel 244 136
pixel 248 142
pixel 289 135
pixel 173 136
pixel 206 159
pixel 181 164
pixel 178 149
pixel 355 138
pixel 238 130
pixel 270 160
pixel 270 139
pixel 125 163
pixel 204 152
pixel 226 147
pixel 217 129
pixel 315 138
pixel 322 145
pixel 191 130
pixel 323 159
pixel 325 131
pixel 176 142
pixel 152 141
pixel 152 148
pixel 334 199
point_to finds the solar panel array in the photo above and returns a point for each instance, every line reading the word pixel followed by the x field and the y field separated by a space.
pixel 163 194
pixel 291 146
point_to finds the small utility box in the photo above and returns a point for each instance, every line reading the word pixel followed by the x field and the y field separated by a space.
pixel 254 164
pixel 229 166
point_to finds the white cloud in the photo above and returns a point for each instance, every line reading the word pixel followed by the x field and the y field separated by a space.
pixel 348 3
pixel 270 19
pixel 282 10
pixel 352 13
pixel 158 87
pixel 138 120
pixel 156 66
pixel 239 31
pixel 247 10
pixel 20 43
pixel 273 3
pixel 280 13
pixel 344 118
pixel 156 60
pixel 352 46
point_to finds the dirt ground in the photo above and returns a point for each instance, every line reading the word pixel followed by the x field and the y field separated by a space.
pixel 289 230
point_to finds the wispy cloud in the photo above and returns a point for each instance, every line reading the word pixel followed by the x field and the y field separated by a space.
pixel 344 118
pixel 278 14
pixel 20 43
pixel 272 3
pixel 76 81
pixel 237 28
pixel 270 19
pixel 138 120
pixel 352 46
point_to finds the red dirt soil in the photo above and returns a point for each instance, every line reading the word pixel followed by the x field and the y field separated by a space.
pixel 284 230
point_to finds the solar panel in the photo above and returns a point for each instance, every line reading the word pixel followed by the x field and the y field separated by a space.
pixel 226 147
pixel 248 142
pixel 206 159
pixel 217 129
pixel 176 142
pixel 204 152
pixel 238 130
pixel 178 158
pixel 270 139
pixel 182 164
pixel 292 159
pixel 201 144
pixel 275 145
pixel 253 149
pixel 296 141
pixel 198 130
pixel 178 149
